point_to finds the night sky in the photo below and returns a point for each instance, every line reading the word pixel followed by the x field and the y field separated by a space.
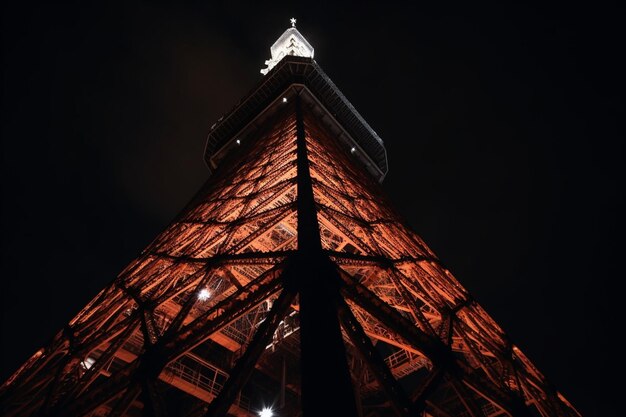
pixel 504 127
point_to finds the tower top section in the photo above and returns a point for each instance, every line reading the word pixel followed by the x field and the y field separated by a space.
pixel 290 43
pixel 291 72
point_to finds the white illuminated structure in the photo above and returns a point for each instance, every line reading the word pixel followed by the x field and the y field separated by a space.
pixel 291 42
pixel 87 363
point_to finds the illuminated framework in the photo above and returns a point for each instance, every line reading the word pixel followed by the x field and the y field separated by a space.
pixel 289 283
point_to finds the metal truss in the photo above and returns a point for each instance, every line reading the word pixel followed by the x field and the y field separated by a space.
pixel 290 281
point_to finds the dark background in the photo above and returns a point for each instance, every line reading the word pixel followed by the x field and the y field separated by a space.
pixel 503 126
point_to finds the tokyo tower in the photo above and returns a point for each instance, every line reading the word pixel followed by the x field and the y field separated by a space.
pixel 288 286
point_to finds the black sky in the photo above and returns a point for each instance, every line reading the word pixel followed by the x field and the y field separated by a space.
pixel 503 126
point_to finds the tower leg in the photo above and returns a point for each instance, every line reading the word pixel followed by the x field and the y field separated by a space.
pixel 326 382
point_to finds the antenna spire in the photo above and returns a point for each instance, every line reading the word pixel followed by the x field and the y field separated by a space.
pixel 291 42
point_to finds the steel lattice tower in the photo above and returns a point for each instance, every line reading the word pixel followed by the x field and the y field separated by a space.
pixel 287 282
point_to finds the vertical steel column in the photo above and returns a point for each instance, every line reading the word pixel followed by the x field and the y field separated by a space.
pixel 309 241
pixel 326 383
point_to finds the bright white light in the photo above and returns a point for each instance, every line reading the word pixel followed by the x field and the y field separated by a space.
pixel 204 294
pixel 353 150
pixel 284 99
pixel 266 412
pixel 87 363
pixel 238 142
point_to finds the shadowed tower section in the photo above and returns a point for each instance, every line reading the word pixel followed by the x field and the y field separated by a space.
pixel 287 286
